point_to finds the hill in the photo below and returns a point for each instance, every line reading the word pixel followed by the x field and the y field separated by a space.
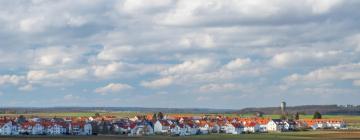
pixel 307 109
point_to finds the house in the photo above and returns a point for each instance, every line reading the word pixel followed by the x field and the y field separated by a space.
pixel 251 127
pixel 229 128
pixel 80 128
pixel 337 124
pixel 122 128
pixel 191 128
pixel 5 128
pixel 142 128
pixel 234 128
pixel 161 126
pixel 204 127
pixel 55 128
pixel 214 127
pixel 179 130
pixel 25 128
pixel 275 125
pixel 262 124
pixel 37 128
pixel 289 125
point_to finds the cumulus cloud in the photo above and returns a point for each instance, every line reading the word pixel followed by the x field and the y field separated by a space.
pixel 11 79
pixel 192 66
pixel 218 87
pixel 107 70
pixel 198 40
pixel 338 72
pixel 215 12
pixel 27 87
pixel 115 53
pixel 356 83
pixel 71 97
pixel 58 56
pixel 238 63
pixel 113 88
pixel 138 6
pixel 43 76
pixel 162 82
pixel 320 7
pixel 304 58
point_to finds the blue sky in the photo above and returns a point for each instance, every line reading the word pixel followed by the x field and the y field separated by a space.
pixel 181 53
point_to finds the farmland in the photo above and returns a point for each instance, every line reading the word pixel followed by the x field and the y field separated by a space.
pixel 304 135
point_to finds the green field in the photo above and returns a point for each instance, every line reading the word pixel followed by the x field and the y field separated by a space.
pixel 304 135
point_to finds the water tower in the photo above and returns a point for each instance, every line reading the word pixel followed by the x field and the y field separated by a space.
pixel 283 107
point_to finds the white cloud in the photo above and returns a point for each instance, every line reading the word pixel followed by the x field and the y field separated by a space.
pixel 139 6
pixel 338 72
pixel 192 66
pixel 75 21
pixel 42 76
pixel 115 53
pixel 71 97
pixel 32 24
pixel 303 58
pixel 198 40
pixel 162 82
pixel 356 83
pixel 113 88
pixel 11 79
pixel 238 63
pixel 219 87
pixel 27 87
pixel 322 6
pixel 107 70
pixel 57 56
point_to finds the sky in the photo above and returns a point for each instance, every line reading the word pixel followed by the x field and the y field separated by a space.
pixel 179 53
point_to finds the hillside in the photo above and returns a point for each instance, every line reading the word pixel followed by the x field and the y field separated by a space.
pixel 307 109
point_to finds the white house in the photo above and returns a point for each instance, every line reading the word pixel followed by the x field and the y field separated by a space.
pixel 80 128
pixel 275 125
pixel 56 129
pixel 289 125
pixel 161 126
pixel 191 128
pixel 336 124
pixel 6 128
pixel 122 128
pixel 37 129
pixel 229 129
pixel 204 127
pixel 179 129
pixel 251 127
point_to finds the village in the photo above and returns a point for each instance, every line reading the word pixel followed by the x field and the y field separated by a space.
pixel 159 124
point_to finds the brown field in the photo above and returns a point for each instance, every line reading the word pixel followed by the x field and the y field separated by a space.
pixel 304 135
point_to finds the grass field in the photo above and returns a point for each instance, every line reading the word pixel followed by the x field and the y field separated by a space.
pixel 304 135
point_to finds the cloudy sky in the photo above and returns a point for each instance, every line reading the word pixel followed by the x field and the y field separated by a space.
pixel 179 53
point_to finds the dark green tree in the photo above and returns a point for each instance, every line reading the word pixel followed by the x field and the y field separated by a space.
pixel 259 114
pixel 97 114
pixel 154 116
pixel 317 115
pixel 297 116
pixel 21 119
pixel 160 116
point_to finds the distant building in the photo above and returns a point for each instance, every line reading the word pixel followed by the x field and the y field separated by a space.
pixel 283 107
